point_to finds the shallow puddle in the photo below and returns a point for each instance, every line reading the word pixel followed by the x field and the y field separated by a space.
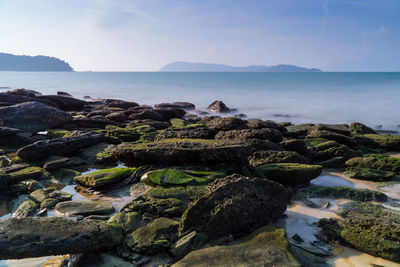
pixel 327 179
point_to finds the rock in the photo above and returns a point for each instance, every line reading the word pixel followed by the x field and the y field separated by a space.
pixel 105 177
pixel 385 141
pixel 343 139
pixel 336 128
pixel 4 161
pixel 267 246
pixel 296 145
pixel 299 130
pixel 187 133
pixel 271 156
pixel 37 237
pixel 120 103
pixel 24 92
pixel 99 123
pixel 155 237
pixel 289 173
pixel 187 243
pixel 375 161
pixel 7 131
pixel 128 221
pixel 20 172
pixel 216 210
pixel 369 174
pixel 57 162
pixel 172 177
pixel 169 113
pixel 147 114
pixel 271 135
pixel 260 124
pixel 59 146
pixel 226 124
pixel 12 99
pixel 218 107
pixel 360 128
pixel 117 117
pixel 40 195
pixel 33 117
pixel 49 203
pixel 63 93
pixel 100 154
pixel 62 176
pixel 181 105
pixel 331 149
pixel 367 227
pixel 27 208
pixel 65 103
pixel 179 151
pixel 101 260
pixel 84 208
pixel 313 191
pixel 262 145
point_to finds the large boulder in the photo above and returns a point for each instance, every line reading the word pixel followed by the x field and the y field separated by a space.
pixel 267 246
pixel 65 102
pixel 375 161
pixel 37 237
pixel 218 107
pixel 263 134
pixel 17 98
pixel 33 117
pixel 235 205
pixel 289 173
pixel 59 146
pixel 180 151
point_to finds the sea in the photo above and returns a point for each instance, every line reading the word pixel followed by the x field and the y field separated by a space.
pixel 316 97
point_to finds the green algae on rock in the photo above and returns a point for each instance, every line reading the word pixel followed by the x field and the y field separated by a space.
pixel 267 246
pixel 84 208
pixel 155 237
pixel 26 209
pixel 375 161
pixel 37 237
pixel 216 210
pixel 367 227
pixel 390 142
pixel 369 174
pixel 104 177
pixel 172 177
pixel 314 191
pixel 289 173
pixel 271 156
pixel 180 151
pixel 360 128
pixel 128 221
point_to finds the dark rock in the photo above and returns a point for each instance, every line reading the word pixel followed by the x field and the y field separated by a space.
pixel 59 146
pixel 147 114
pixel 12 99
pixel 343 139
pixel 37 237
pixel 261 145
pixel 180 105
pixel 260 124
pixel 117 117
pixel 120 103
pixel 92 122
pixel 175 151
pixel 24 92
pixel 336 128
pixel 226 124
pixel 289 173
pixel 63 94
pixel 7 131
pixel 295 145
pixel 65 103
pixel 169 113
pixel 33 117
pixel 216 210
pixel 360 128
pixel 218 107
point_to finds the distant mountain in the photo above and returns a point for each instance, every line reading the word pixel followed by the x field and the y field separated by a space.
pixel 205 67
pixel 10 62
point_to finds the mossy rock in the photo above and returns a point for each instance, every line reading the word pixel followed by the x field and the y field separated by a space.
pixel 155 237
pixel 99 154
pixel 4 161
pixel 84 208
pixel 159 125
pixel 271 156
pixel 104 177
pixel 128 221
pixel 305 258
pixel 390 142
pixel 31 172
pixel 186 194
pixel 62 175
pixel 359 128
pixel 49 203
pixel 181 123
pixel 313 142
pixel 58 133
pixel 267 246
pixel 27 208
pixel 130 133
pixel 172 177
pixel 40 195
pixel 367 227
pixel 16 160
pixel 313 191
pixel 369 174
pixel 375 161
pixel 289 173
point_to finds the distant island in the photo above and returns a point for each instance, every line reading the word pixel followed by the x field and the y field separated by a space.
pixel 9 62
pixel 205 67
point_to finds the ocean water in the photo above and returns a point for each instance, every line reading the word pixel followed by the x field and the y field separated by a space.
pixel 370 98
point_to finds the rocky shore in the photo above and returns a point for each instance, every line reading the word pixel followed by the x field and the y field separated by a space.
pixel 108 182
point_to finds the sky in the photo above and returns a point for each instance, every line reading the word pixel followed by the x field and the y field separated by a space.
pixel 144 35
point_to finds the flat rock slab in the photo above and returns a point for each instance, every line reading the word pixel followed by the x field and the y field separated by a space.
pixel 37 237
pixel 84 208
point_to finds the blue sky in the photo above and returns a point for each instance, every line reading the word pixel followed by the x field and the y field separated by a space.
pixel 143 35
